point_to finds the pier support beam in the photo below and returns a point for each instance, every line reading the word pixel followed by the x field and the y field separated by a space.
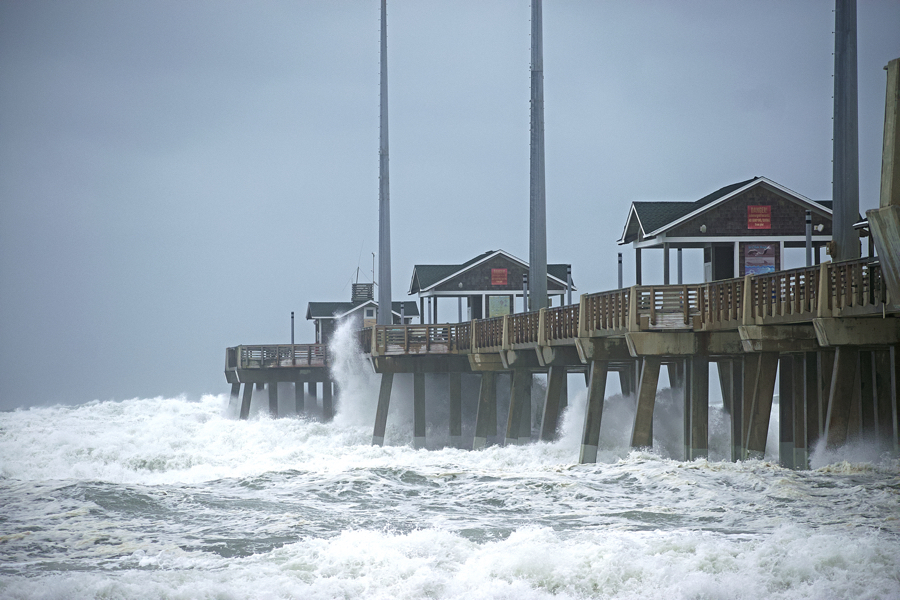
pixel 695 385
pixel 840 396
pixel 593 414
pixel 273 398
pixel 737 408
pixel 486 418
pixel 519 398
pixel 327 401
pixel 418 410
pixel 311 390
pixel 812 403
pixel 761 409
pixel 245 401
pixel 868 402
pixel 885 409
pixel 550 420
pixel 642 430
pixel 455 389
pixel 235 393
pixel 384 402
pixel 787 403
pixel 525 413
pixel 299 402
pixel 724 369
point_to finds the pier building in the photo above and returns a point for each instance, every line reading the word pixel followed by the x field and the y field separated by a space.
pixel 742 228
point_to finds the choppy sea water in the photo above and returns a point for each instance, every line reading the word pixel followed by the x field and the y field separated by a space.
pixel 171 498
pixel 175 498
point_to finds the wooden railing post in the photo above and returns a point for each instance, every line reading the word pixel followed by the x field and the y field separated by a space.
pixel 747 303
pixel 504 338
pixel 634 321
pixel 542 323
pixel 824 298
pixel 582 316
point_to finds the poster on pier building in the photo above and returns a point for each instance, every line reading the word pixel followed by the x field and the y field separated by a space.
pixel 759 259
pixel 498 306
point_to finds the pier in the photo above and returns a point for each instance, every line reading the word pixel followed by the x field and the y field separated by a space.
pixel 827 330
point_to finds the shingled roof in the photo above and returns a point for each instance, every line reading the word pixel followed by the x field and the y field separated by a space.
pixel 425 277
pixel 336 310
pixel 648 219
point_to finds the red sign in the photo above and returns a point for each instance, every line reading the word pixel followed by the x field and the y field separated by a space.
pixel 498 276
pixel 759 217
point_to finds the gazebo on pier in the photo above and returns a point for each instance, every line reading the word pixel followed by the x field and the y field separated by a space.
pixel 489 284
pixel 743 228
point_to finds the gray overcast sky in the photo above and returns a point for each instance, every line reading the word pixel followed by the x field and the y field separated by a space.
pixel 176 177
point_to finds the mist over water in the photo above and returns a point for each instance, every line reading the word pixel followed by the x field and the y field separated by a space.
pixel 176 498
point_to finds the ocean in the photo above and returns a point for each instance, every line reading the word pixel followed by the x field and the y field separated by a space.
pixel 175 498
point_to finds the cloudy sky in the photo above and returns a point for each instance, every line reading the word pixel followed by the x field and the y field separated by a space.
pixel 177 177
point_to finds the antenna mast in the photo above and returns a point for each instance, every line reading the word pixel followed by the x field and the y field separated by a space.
pixel 537 260
pixel 384 204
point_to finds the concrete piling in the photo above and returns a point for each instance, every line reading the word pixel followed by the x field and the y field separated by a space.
pixel 695 380
pixel 642 430
pixel 486 418
pixel 521 386
pixel 761 410
pixel 786 413
pixel 235 392
pixel 273 398
pixel 840 396
pixel 455 387
pixel 801 437
pixel 384 402
pixel 552 401
pixel 418 410
pixel 327 401
pixel 299 401
pixel 245 401
pixel 593 414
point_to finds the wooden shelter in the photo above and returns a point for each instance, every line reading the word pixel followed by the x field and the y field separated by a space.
pixel 743 228
pixel 362 306
pixel 489 284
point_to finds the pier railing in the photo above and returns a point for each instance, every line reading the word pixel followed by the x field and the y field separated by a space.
pixel 560 323
pixel 852 288
pixel 665 307
pixel 274 356
pixel 605 313
pixel 784 296
pixel 793 296
pixel 488 335
pixel 720 303
pixel 414 339
pixel 522 330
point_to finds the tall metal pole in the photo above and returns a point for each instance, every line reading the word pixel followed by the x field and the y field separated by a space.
pixel 292 328
pixel 385 316
pixel 808 238
pixel 845 184
pixel 537 260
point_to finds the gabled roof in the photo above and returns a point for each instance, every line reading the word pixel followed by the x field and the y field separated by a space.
pixel 426 277
pixel 338 310
pixel 653 218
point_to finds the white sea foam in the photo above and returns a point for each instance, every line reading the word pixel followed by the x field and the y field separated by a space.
pixel 532 563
